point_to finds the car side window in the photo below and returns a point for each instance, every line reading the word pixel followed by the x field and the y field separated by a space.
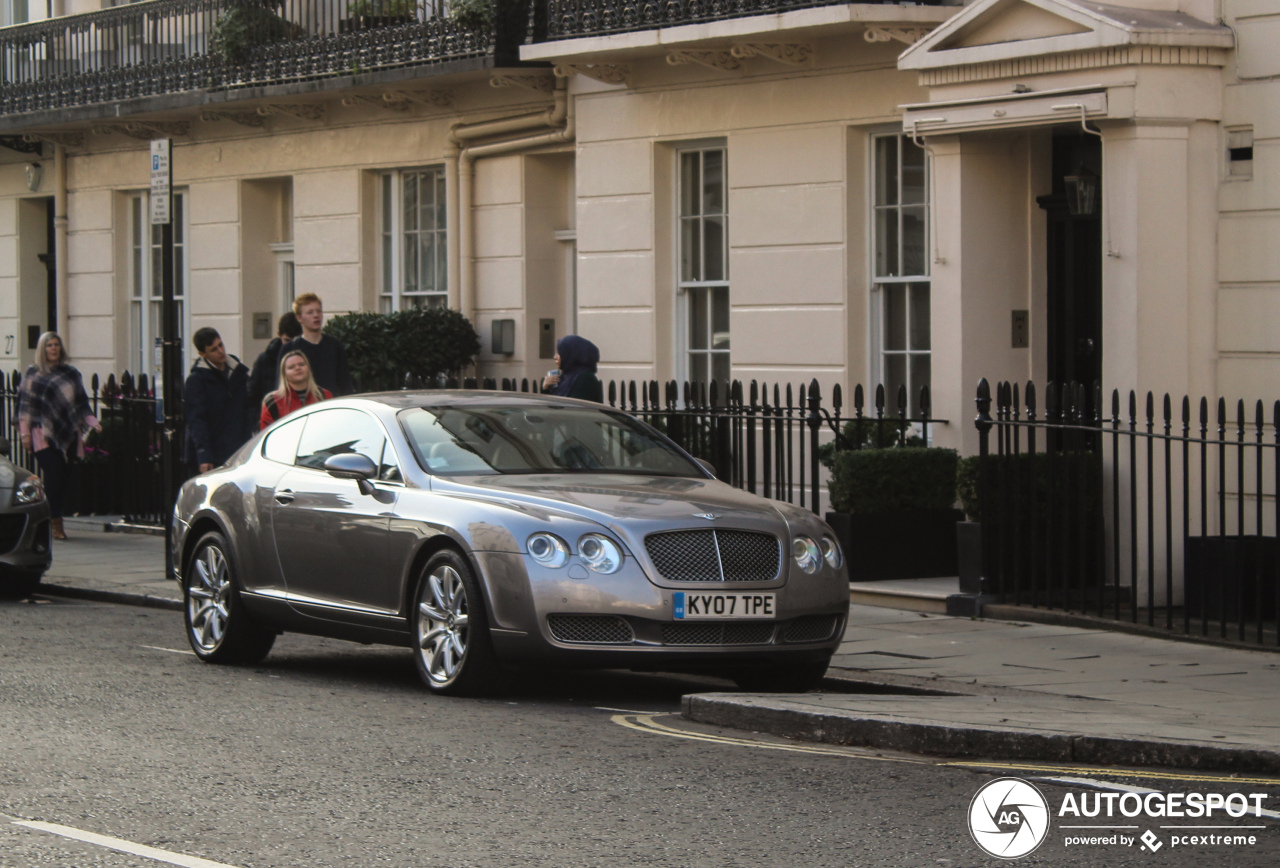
pixel 282 444
pixel 341 432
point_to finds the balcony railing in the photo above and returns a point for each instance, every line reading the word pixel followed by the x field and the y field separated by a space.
pixel 170 46
pixel 570 19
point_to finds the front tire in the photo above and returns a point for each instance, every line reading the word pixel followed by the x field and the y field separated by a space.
pixel 219 627
pixel 18 584
pixel 452 649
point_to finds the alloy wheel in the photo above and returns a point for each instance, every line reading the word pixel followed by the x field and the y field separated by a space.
pixel 207 597
pixel 443 624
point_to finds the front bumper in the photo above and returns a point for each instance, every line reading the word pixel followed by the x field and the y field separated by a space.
pixel 25 539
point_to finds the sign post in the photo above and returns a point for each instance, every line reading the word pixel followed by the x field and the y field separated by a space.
pixel 169 374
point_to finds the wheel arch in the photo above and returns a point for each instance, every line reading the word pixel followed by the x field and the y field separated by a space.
pixel 430 547
pixel 203 524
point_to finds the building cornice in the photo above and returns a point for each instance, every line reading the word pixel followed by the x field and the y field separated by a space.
pixel 1127 55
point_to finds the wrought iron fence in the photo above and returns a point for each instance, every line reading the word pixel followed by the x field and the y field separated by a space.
pixel 765 439
pixel 567 19
pixel 168 46
pixel 1159 516
pixel 120 472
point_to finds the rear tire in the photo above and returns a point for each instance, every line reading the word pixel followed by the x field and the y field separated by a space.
pixel 782 679
pixel 18 584
pixel 452 649
pixel 219 627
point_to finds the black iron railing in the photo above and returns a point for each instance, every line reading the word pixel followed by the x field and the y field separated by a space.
pixel 569 19
pixel 120 471
pixel 169 46
pixel 1147 512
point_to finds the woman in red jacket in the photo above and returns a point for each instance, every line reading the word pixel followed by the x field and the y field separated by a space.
pixel 297 389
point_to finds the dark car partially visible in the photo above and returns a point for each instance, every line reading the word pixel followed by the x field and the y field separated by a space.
pixel 25 552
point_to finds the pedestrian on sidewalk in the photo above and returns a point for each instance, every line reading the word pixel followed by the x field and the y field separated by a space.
pixel 262 379
pixel 327 355
pixel 575 375
pixel 297 389
pixel 218 414
pixel 53 414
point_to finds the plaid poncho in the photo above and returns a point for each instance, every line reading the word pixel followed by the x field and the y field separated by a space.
pixel 55 401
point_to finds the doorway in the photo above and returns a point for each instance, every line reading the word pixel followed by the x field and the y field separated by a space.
pixel 1074 259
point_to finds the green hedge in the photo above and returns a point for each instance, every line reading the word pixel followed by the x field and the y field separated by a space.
pixel 893 480
pixel 425 342
pixel 1031 473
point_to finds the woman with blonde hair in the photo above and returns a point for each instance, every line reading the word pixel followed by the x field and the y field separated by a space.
pixel 53 414
pixel 297 389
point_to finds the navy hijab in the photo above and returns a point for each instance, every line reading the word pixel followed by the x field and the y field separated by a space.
pixel 577 356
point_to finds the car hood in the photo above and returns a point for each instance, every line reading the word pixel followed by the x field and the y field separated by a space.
pixel 632 506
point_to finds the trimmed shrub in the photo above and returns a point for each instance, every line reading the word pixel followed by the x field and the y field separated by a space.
pixel 1030 473
pixel 424 342
pixel 899 479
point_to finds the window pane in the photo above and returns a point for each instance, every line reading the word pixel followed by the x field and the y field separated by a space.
pixel 920 370
pixel 387 263
pixel 895 375
pixel 410 263
pixel 386 203
pixel 410 208
pixel 714 264
pixel 427 202
pixel 886 242
pixel 713 182
pixel 919 316
pixel 427 260
pixel 339 432
pixel 913 241
pixel 895 318
pixel 179 202
pixel 913 175
pixel 179 273
pixel 720 367
pixel 441 209
pixel 442 263
pixel 720 318
pixel 690 247
pixel 135 323
pixel 156 272
pixel 698 319
pixel 690 183
pixel 698 367
pixel 886 172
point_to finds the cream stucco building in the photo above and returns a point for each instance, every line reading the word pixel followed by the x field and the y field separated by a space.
pixel 862 193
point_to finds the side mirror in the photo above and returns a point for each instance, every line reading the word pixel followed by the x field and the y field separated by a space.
pixel 707 466
pixel 4 446
pixel 352 465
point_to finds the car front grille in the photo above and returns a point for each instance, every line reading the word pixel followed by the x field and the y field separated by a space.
pixel 811 628
pixel 718 633
pixel 715 555
pixel 11 527
pixel 590 629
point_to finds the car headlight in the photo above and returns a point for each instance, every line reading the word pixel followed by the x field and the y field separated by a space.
pixel 805 551
pixel 548 550
pixel 831 553
pixel 29 490
pixel 600 553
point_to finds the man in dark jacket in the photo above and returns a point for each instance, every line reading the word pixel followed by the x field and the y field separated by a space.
pixel 216 398
pixel 262 378
pixel 326 354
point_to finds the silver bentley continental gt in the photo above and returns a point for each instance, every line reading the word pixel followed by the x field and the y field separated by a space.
pixel 494 531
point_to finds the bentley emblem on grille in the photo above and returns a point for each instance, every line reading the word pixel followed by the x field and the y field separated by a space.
pixel 709 516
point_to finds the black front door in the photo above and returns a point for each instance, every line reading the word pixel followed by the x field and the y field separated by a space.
pixel 1074 212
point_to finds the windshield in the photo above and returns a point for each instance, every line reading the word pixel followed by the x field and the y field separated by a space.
pixel 454 440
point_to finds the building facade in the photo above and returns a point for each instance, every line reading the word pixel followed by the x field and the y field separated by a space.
pixel 866 193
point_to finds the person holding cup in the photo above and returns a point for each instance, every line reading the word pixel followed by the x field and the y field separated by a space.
pixel 575 375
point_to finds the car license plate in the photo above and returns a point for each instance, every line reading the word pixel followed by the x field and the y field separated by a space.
pixel 722 605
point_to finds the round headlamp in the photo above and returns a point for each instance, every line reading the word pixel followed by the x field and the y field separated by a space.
pixel 29 490
pixel 548 550
pixel 806 554
pixel 600 553
pixel 831 553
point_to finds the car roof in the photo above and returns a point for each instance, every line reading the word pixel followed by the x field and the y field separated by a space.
pixel 472 398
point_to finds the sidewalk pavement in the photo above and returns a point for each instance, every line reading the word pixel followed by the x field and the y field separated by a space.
pixel 921 682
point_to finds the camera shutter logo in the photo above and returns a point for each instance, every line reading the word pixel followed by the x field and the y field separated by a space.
pixel 1008 818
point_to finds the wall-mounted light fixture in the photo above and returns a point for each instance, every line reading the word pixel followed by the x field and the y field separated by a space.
pixel 34 173
pixel 1082 192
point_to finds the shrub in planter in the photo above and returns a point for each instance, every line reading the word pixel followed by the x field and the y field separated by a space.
pixel 246 25
pixel 425 342
pixel 894 511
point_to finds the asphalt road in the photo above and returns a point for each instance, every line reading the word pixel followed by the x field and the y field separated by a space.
pixel 332 754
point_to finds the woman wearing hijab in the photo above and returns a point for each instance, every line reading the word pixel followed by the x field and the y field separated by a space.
pixel 576 359
pixel 297 389
pixel 53 413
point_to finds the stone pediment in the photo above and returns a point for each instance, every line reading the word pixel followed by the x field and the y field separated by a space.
pixel 1002 30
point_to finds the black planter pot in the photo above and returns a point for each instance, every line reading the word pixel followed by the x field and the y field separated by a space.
pixel 1223 574
pixel 915 544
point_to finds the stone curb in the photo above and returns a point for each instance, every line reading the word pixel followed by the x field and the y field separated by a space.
pixel 761 714
pixel 147 600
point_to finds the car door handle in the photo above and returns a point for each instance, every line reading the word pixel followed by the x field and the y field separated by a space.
pixel 284 496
